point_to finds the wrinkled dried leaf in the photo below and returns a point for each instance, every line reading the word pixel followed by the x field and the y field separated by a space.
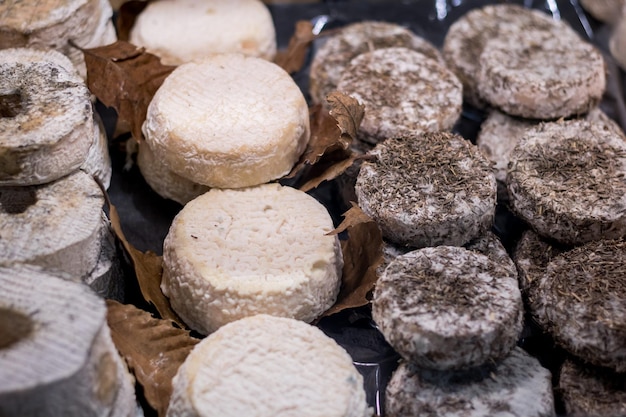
pixel 292 59
pixel 153 349
pixel 148 269
pixel 362 254
pixel 125 77
pixel 326 172
pixel 332 132
pixel 126 16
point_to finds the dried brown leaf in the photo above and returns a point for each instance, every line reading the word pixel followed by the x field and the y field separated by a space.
pixel 126 16
pixel 148 269
pixel 292 59
pixel 362 254
pixel 153 349
pixel 332 132
pixel 327 172
pixel 125 77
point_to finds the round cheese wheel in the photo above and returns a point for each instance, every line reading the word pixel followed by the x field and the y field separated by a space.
pixel 267 366
pixel 228 121
pixel 517 386
pixel 56 226
pixel 448 307
pixel 230 254
pixel 41 143
pixel 57 357
pixel 567 180
pixel 180 31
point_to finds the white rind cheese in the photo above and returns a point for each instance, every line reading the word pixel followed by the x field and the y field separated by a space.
pixel 56 353
pixel 180 31
pixel 228 121
pixel 235 253
pixel 265 366
pixel 41 143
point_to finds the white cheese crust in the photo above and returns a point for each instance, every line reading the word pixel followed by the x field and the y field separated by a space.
pixel 41 143
pixel 60 359
pixel 180 31
pixel 265 366
pixel 230 254
pixel 228 121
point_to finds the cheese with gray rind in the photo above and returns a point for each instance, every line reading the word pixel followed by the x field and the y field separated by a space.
pixel 517 386
pixel 448 308
pixel 337 50
pixel 583 292
pixel 567 180
pixel 591 391
pixel 228 121
pixel 98 161
pixel 268 366
pixel 234 253
pixel 57 357
pixel 404 92
pixel 56 226
pixel 41 143
pixel 427 190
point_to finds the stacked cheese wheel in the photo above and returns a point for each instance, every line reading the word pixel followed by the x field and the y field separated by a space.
pixel 52 207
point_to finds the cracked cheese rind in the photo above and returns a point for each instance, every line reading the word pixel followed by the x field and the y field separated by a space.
pixel 235 253
pixel 266 366
pixel 228 121
pixel 180 31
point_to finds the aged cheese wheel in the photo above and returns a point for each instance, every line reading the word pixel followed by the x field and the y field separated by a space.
pixel 590 391
pixel 404 93
pixel 427 190
pixel 228 121
pixel 268 366
pixel 98 161
pixel 40 142
pixel 163 181
pixel 583 293
pixel 567 180
pixel 538 75
pixel 56 353
pixel 56 24
pixel 56 226
pixel 617 42
pixel 180 31
pixel 337 50
pixel 235 253
pixel 607 11
pixel 518 386
pixel 448 308
pixel 467 36
pixel 107 278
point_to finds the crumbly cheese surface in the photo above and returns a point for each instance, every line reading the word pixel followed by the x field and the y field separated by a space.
pixel 234 253
pixel 181 31
pixel 448 307
pixel 228 121
pixel 264 366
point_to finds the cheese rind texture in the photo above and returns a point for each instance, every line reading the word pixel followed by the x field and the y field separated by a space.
pixel 180 31
pixel 235 253
pixel 267 366
pixel 228 121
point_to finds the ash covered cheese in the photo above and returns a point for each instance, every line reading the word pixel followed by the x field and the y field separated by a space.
pixel 448 307
pixel 517 386
pixel 404 92
pixel 228 121
pixel 180 31
pixel 427 190
pixel 235 253
pixel 39 142
pixel 567 180
pixel 266 366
